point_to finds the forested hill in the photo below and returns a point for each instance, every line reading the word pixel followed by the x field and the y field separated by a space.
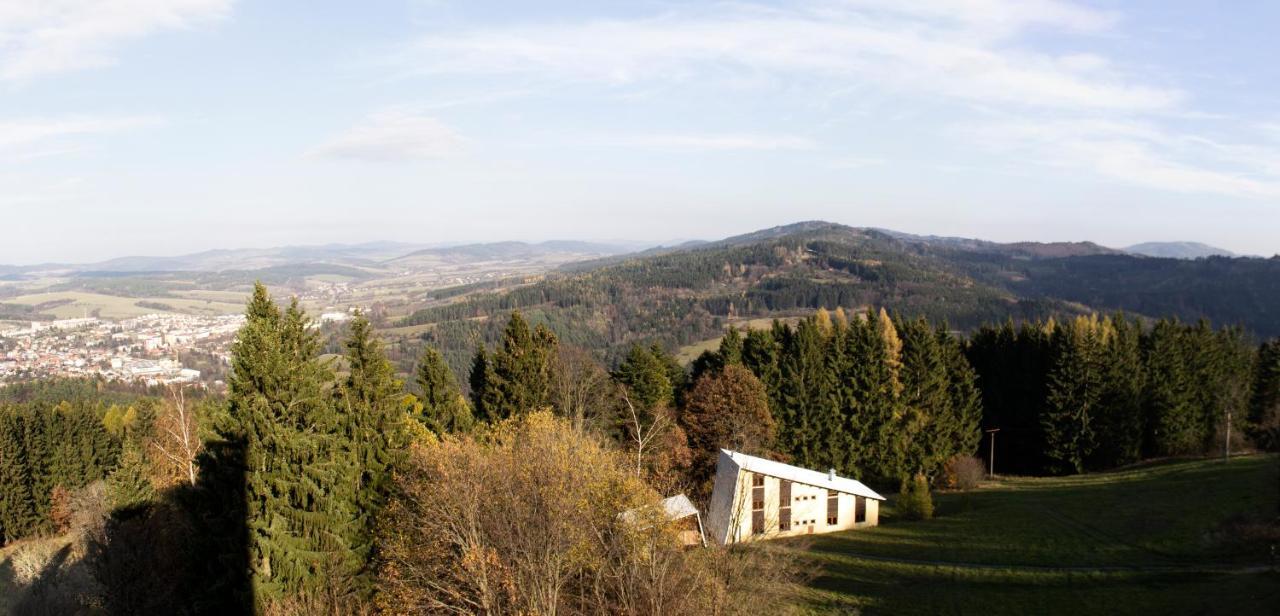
pixel 680 296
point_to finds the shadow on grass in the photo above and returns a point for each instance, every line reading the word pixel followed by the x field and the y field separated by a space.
pixel 186 552
pixel 1164 515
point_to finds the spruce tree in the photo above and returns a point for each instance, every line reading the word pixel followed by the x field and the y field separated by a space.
pixel 18 516
pixel 1173 423
pixel 863 386
pixel 1119 413
pixel 645 377
pixel 128 486
pixel 920 442
pixel 371 405
pixel 1075 388
pixel 731 348
pixel 40 450
pixel 300 476
pixel 444 408
pixel 802 393
pixel 478 379
pixel 517 377
pixel 1264 403
pixel 962 430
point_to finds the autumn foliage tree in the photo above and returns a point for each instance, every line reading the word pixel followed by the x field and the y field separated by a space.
pixel 726 409
pixel 534 517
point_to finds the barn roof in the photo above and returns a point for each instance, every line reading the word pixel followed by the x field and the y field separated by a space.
pixel 800 475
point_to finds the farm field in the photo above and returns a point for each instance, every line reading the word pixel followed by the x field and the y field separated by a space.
pixel 1149 540
pixel 73 304
pixel 687 354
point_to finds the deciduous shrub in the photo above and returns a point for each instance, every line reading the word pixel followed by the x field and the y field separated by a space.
pixel 963 473
pixel 531 516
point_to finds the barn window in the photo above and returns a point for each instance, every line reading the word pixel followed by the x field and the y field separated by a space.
pixel 784 505
pixel 757 504
pixel 833 508
pixel 757 492
pixel 859 509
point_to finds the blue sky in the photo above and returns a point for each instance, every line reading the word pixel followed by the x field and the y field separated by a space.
pixel 164 127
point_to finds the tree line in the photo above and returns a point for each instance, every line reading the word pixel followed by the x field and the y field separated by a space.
pixel 308 488
pixel 1093 393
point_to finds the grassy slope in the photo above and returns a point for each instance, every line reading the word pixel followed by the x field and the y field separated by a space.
pixel 1135 541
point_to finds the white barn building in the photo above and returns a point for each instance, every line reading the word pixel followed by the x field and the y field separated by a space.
pixel 763 499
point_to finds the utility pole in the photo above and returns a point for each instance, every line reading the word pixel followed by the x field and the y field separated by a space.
pixel 991 457
pixel 1226 452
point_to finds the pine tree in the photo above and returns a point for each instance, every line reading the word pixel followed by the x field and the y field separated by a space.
pixel 444 408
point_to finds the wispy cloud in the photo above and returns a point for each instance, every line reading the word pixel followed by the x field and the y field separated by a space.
pixel 1140 153
pixel 392 135
pixel 965 50
pixel 711 142
pixel 1065 105
pixel 23 134
pixel 39 37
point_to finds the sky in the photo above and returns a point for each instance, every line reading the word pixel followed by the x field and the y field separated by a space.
pixel 164 127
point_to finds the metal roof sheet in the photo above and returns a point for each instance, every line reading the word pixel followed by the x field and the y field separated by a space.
pixel 801 475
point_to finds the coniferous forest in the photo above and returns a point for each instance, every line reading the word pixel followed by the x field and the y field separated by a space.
pixel 305 488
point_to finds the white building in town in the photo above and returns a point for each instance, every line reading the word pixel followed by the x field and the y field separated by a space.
pixel 755 498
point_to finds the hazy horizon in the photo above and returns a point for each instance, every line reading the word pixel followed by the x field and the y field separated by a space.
pixel 632 244
pixel 166 128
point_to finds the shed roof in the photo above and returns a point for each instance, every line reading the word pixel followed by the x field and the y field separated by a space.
pixel 800 475
pixel 673 508
pixel 678 507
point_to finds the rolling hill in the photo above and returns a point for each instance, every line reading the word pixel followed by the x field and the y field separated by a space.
pixel 1178 250
pixel 685 295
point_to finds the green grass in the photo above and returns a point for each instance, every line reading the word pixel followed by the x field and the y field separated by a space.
pixel 686 354
pixel 1146 540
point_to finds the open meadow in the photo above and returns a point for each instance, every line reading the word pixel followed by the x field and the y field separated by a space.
pixel 1168 538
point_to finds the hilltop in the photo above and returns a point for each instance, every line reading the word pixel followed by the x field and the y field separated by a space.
pixel 1178 250
pixel 683 295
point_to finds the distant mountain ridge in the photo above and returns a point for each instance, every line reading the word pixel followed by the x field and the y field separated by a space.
pixel 499 251
pixel 685 295
pixel 368 254
pixel 1178 250
pixel 388 253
